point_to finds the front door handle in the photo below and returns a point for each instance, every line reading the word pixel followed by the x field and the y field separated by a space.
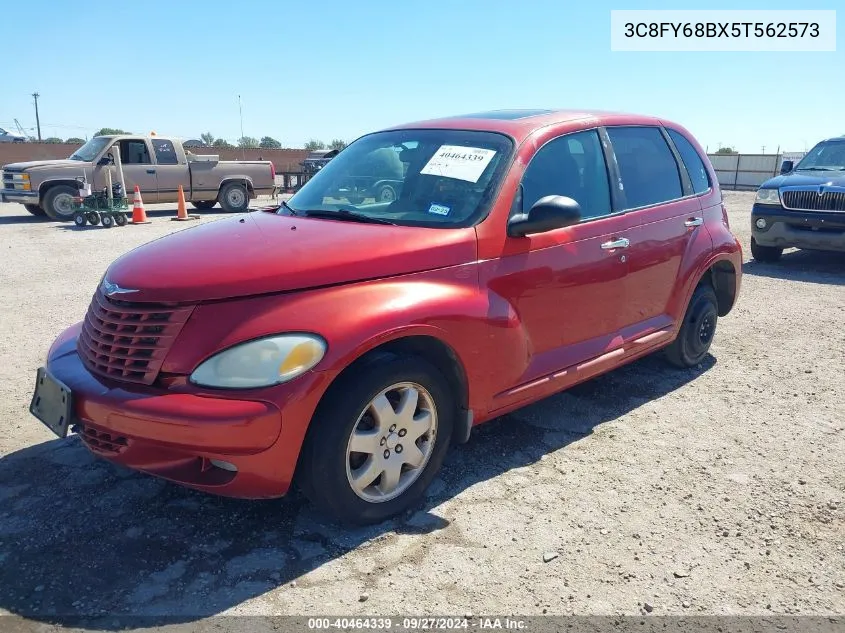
pixel 694 222
pixel 620 243
pixel 151 171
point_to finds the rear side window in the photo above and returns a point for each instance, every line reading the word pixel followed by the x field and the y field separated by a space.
pixel 165 152
pixel 572 165
pixel 647 166
pixel 692 160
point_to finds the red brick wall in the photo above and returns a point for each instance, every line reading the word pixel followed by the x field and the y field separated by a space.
pixel 283 159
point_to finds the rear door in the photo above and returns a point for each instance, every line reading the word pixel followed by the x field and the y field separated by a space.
pixel 664 220
pixel 171 170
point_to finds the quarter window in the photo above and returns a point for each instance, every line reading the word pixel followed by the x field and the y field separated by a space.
pixel 572 165
pixel 165 152
pixel 692 160
pixel 647 166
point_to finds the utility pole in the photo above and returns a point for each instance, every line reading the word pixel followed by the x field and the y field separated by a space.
pixel 35 96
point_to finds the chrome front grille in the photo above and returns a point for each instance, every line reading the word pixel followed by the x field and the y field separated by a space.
pixel 128 341
pixel 812 200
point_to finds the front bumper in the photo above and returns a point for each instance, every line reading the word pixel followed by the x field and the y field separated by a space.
pixel 176 434
pixel 811 230
pixel 24 197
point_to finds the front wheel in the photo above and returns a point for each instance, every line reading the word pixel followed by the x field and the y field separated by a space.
pixel 378 440
pixel 34 209
pixel 234 198
pixel 204 205
pixel 696 330
pixel 765 253
pixel 58 203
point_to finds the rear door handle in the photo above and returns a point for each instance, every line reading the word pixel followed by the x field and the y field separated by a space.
pixel 620 243
pixel 694 222
pixel 151 171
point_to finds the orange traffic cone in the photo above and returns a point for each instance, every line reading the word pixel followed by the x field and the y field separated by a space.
pixel 182 212
pixel 139 215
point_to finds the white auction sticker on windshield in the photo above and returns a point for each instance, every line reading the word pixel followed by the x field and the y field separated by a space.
pixel 461 163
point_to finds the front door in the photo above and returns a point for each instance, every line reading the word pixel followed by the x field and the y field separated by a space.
pixel 566 285
pixel 138 169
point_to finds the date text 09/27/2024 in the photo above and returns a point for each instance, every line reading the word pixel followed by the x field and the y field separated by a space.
pixel 416 623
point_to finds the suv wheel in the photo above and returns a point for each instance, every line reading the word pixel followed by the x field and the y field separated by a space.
pixel 234 198
pixel 58 203
pixel 765 253
pixel 697 329
pixel 378 440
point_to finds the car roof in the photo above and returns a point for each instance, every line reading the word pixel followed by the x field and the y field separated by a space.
pixel 519 123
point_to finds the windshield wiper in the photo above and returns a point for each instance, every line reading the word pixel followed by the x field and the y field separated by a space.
pixel 289 208
pixel 346 214
pixel 819 169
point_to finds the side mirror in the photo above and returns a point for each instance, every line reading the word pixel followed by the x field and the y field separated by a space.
pixel 108 159
pixel 547 214
pixel 786 167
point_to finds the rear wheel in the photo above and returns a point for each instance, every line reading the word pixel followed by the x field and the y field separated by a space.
pixel 377 440
pixel 204 205
pixel 234 198
pixel 385 193
pixel 58 202
pixel 765 253
pixel 34 209
pixel 697 329
pixel 120 219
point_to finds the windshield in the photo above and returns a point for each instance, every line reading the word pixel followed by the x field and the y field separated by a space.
pixel 826 156
pixel 435 178
pixel 89 151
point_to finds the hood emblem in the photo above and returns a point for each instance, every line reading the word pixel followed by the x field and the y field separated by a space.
pixel 113 289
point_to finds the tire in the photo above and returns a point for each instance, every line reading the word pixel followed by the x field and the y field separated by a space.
pixel 34 209
pixel 204 205
pixel 696 330
pixel 120 219
pixel 765 253
pixel 79 219
pixel 93 218
pixel 58 203
pixel 234 198
pixel 107 221
pixel 385 193
pixel 327 464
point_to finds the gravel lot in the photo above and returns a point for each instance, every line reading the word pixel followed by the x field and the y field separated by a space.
pixel 718 490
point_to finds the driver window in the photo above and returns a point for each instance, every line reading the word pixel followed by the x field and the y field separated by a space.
pixel 572 165
pixel 134 152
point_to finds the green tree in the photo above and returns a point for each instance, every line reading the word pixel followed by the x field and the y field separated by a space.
pixel 314 144
pixel 726 150
pixel 53 140
pixel 207 138
pixel 268 142
pixel 75 139
pixel 337 144
pixel 248 142
pixel 221 142
pixel 110 131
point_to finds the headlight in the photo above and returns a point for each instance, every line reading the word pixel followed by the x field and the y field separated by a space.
pixel 262 362
pixel 767 196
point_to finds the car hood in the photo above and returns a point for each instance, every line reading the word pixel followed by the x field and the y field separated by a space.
pixel 35 164
pixel 807 179
pixel 258 253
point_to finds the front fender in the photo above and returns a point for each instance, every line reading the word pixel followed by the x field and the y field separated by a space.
pixel 356 318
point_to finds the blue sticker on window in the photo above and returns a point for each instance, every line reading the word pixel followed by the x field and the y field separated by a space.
pixel 439 209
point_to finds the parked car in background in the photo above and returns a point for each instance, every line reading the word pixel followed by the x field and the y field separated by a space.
pixel 10 137
pixel 803 207
pixel 317 159
pixel 346 346
pixel 156 164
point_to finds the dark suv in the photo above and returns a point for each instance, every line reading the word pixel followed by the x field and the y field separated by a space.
pixel 804 207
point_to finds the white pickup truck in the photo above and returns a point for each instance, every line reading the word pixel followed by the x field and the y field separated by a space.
pixel 158 165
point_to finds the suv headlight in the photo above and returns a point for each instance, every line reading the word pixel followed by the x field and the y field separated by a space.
pixel 262 362
pixel 767 196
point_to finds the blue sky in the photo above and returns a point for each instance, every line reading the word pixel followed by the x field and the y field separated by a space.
pixel 337 69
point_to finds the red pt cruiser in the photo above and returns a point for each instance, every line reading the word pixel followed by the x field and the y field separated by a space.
pixel 430 277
